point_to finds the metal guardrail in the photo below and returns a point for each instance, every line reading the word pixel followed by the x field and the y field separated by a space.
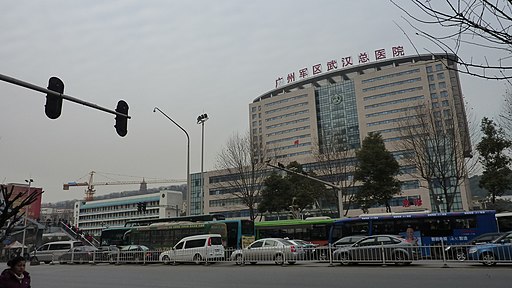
pixel 384 255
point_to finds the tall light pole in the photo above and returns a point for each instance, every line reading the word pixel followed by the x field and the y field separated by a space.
pixel 189 188
pixel 200 120
pixel 29 181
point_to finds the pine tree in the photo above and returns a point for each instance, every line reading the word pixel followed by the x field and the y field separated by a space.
pixel 497 176
pixel 376 170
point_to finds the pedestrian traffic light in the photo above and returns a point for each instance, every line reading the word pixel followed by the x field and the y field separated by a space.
pixel 53 106
pixel 122 121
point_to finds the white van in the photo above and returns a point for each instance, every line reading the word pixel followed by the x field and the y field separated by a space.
pixel 52 251
pixel 199 249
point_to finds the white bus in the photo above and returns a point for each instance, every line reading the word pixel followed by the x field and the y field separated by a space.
pixel 504 221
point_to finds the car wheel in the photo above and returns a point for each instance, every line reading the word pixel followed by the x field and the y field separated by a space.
pixel 47 262
pixel 34 261
pixel 344 258
pixel 166 260
pixel 253 263
pixel 488 259
pixel 461 255
pixel 401 258
pixel 198 259
pixel 291 262
pixel 279 259
pixel 239 259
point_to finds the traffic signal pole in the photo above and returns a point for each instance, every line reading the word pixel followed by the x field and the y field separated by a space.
pixel 63 96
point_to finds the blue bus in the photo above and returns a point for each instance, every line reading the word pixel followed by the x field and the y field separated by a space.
pixel 423 228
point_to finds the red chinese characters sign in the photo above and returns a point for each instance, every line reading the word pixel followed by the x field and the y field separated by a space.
pixel 362 58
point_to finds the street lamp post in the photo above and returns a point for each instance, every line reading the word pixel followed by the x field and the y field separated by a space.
pixel 29 181
pixel 200 120
pixel 189 188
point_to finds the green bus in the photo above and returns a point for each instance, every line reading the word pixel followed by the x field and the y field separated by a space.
pixel 314 229
pixel 166 235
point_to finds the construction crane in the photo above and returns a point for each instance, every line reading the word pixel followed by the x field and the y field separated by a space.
pixel 89 192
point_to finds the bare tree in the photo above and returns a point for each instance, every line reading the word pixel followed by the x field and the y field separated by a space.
pixel 466 23
pixel 336 164
pixel 505 117
pixel 244 169
pixel 13 208
pixel 439 146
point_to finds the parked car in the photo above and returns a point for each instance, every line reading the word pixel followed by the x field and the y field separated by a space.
pixel 79 254
pixel 348 240
pixel 489 254
pixel 308 248
pixel 133 254
pixel 378 248
pixel 268 249
pixel 104 252
pixel 460 251
pixel 198 249
pixel 52 251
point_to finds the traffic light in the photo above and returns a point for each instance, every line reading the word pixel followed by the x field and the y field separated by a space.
pixel 139 206
pixel 144 207
pixel 122 122
pixel 53 106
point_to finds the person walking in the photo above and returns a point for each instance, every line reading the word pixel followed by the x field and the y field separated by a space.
pixel 15 276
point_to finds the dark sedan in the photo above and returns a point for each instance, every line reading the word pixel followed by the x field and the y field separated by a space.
pixel 80 254
pixel 378 249
pixel 491 253
pixel 134 254
pixel 460 251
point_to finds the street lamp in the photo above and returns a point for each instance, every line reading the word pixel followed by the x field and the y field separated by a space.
pixel 189 188
pixel 29 181
pixel 200 120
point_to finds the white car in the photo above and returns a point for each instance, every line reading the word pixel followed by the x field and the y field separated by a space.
pixel 277 250
pixel 199 249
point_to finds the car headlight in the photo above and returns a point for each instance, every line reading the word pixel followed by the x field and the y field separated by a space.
pixel 472 250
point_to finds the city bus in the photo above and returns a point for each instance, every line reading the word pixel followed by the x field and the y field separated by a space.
pixel 113 236
pixel 240 232
pixel 314 229
pixel 504 221
pixel 165 235
pixel 425 228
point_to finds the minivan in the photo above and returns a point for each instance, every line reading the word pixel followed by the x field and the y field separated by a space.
pixel 199 249
pixel 52 251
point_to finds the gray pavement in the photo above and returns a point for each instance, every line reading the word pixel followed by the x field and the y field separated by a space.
pixel 311 275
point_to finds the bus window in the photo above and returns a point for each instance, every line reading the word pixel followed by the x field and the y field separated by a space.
pixel 438 227
pixel 383 227
pixel 464 223
pixel 355 228
pixel 247 227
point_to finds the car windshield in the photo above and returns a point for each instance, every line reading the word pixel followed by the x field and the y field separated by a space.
pixel 501 237
pixel 286 242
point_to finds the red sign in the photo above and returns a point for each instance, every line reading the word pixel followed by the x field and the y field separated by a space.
pixel 363 58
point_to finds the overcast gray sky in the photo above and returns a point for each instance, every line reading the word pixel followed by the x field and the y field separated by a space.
pixel 185 57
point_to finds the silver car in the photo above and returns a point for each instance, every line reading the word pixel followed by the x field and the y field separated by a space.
pixel 378 249
pixel 277 250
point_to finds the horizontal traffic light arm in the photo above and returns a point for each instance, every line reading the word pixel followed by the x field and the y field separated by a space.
pixel 282 168
pixel 64 96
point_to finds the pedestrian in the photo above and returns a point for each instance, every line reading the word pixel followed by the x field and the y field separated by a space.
pixel 15 276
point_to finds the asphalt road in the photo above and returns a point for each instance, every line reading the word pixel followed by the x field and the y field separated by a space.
pixel 228 275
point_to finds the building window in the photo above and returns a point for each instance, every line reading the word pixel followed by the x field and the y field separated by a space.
pixel 439 67
pixel 444 94
pixel 445 103
pixel 430 78
pixel 429 69
pixel 440 76
pixel 432 87
pixel 433 95
pixel 435 104
pixel 442 85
